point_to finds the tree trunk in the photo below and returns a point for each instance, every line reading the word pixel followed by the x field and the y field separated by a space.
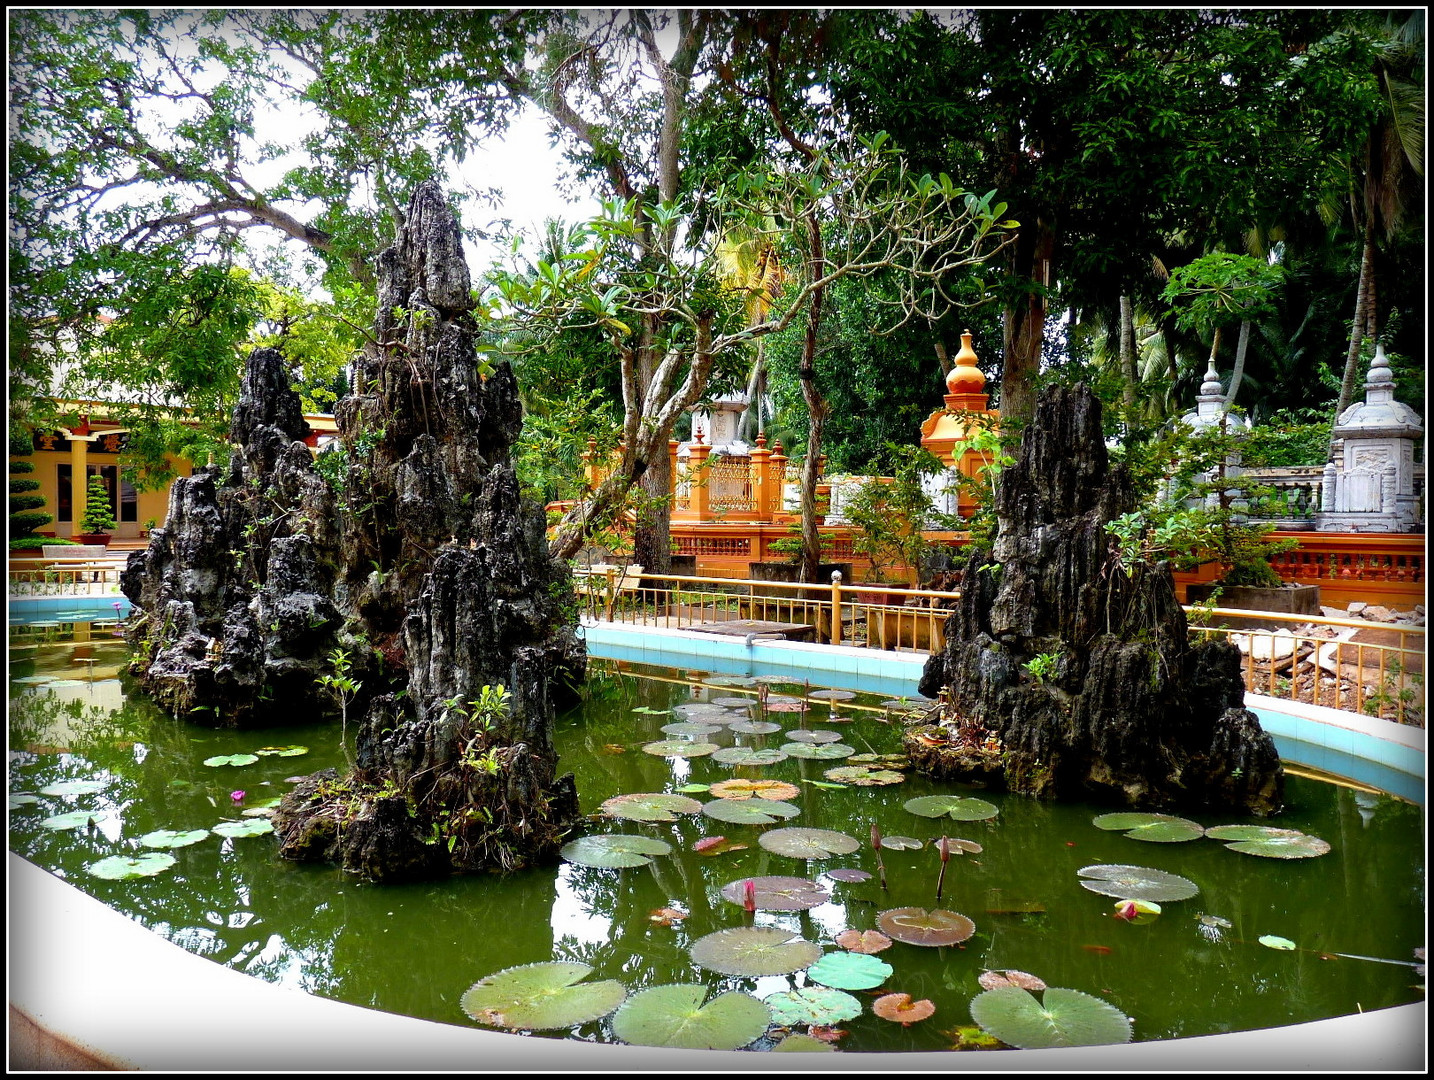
pixel 816 408
pixel 1238 375
pixel 1128 369
pixel 1357 329
pixel 1025 327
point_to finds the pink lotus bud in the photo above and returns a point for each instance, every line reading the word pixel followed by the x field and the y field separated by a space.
pixel 1127 910
pixel 237 796
pixel 875 838
pixel 749 895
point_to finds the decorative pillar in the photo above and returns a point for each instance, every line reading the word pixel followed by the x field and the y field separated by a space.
pixel 762 484
pixel 698 491
pixel 590 477
pixel 1326 488
pixel 947 430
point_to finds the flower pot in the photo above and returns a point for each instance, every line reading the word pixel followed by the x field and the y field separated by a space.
pixel 102 539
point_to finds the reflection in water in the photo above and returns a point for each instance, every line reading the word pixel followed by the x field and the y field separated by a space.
pixel 416 948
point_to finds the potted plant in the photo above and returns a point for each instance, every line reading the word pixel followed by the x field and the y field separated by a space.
pixel 98 522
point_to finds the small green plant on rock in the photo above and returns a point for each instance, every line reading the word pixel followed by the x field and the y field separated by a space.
pixel 344 688
pixel 1043 666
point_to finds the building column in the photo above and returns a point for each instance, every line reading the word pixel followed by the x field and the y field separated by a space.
pixel 79 480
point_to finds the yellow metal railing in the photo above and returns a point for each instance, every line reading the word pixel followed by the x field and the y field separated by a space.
pixel 1311 659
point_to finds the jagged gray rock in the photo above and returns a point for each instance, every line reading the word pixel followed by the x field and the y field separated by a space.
pixel 416 557
pixel 1120 706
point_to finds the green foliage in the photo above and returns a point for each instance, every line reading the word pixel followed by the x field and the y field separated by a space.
pixel 892 515
pixel 1043 666
pixel 1220 288
pixel 340 683
pixel 1288 437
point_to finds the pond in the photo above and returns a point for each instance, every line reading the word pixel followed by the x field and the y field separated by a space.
pixel 1339 930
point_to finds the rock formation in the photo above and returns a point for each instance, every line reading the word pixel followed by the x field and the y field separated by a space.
pixel 408 555
pixel 1082 672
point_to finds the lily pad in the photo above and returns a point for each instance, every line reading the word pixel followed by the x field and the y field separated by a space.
pixel 754 950
pixel 75 819
pixel 814 736
pixel 173 838
pixel 282 751
pixel 1271 843
pixel 848 873
pixel 812 1005
pixel 74 787
pixel 863 941
pixel 716 845
pixel 252 827
pixel 690 727
pixel 959 807
pixel 748 755
pixel 614 850
pixel 850 971
pixel 1059 1017
pixel 743 681
pixel 1274 941
pixel 702 712
pixel 22 798
pixel 119 867
pixel 1155 828
pixel 649 806
pixel 541 997
pixel 808 843
pixel 917 926
pixel 754 727
pixel 734 702
pixel 750 811
pixel 900 1009
pixel 680 748
pixel 755 789
pixel 990 980
pixel 786 706
pixel 674 1015
pixel 833 695
pixel 864 776
pixel 777 893
pixel 1136 883
pixel 886 761
pixel 817 752
pixel 902 843
pixel 645 710
pixel 231 759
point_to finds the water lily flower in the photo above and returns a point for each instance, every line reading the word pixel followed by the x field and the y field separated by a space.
pixel 1126 909
pixel 749 895
pixel 237 796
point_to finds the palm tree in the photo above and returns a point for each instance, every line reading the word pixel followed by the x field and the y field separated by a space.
pixel 1389 172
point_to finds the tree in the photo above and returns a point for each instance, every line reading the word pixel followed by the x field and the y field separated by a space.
pixel 882 218
pixel 1220 289
pixel 1387 172
pixel 1116 136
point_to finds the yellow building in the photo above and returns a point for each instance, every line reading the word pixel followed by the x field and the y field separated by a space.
pixel 93 447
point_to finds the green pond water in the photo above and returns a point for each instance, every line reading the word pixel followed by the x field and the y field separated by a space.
pixel 1355 914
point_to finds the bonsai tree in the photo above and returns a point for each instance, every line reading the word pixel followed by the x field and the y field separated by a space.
pixel 892 514
pixel 1199 518
pixel 99 517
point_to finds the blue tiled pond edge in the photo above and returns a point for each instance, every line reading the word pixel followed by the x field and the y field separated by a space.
pixel 92 979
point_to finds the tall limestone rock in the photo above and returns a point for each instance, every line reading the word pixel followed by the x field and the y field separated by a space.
pixel 410 551
pixel 1085 672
